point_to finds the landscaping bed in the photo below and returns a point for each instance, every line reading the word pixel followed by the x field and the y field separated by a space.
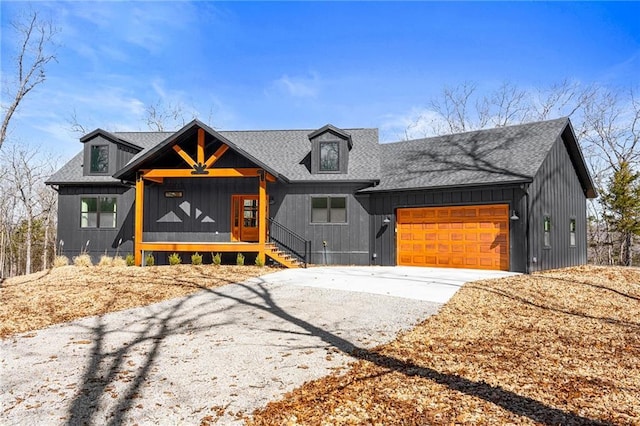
pixel 560 347
pixel 35 301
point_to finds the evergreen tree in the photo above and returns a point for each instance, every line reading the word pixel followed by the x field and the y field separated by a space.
pixel 622 208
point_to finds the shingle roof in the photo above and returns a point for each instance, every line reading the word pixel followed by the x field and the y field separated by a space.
pixel 283 151
pixel 286 150
pixel 500 155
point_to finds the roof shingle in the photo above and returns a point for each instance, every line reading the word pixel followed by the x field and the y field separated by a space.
pixel 500 155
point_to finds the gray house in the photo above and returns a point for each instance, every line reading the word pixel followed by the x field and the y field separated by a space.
pixel 510 198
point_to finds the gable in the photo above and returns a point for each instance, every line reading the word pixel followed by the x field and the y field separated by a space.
pixel 503 155
pixel 195 146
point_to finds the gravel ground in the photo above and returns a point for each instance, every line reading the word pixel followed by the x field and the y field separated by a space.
pixel 217 354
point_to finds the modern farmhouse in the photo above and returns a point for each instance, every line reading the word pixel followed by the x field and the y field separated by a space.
pixel 511 198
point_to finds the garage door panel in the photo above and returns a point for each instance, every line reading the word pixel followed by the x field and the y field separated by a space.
pixel 461 236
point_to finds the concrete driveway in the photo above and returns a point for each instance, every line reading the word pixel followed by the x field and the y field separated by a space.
pixel 219 353
pixel 429 284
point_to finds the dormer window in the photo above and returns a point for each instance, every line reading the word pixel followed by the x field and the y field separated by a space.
pixel 330 156
pixel 330 148
pixel 99 159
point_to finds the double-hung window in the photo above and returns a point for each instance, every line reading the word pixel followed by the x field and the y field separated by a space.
pixel 328 210
pixel 98 212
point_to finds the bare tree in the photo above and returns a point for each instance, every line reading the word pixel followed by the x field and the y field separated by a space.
pixel 25 176
pixel 454 107
pixel 158 116
pixel 36 37
pixel 606 121
pixel 75 126
pixel 612 121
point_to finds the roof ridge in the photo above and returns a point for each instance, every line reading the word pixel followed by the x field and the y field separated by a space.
pixel 488 129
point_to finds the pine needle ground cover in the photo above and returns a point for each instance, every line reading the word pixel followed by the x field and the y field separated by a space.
pixel 561 347
pixel 35 301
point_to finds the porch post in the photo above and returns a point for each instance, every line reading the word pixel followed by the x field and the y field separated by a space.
pixel 137 239
pixel 262 213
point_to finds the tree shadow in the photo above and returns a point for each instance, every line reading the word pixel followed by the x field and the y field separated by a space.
pixel 530 302
pixel 104 366
pixel 598 286
pixel 510 401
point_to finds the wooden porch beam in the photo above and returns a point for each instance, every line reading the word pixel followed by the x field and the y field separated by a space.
pixel 201 247
pixel 227 172
pixel 139 210
pixel 154 179
pixel 262 214
pixel 216 155
pixel 186 157
pixel 270 178
pixel 200 155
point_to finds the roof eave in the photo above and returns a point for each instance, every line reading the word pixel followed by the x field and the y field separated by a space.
pixel 110 136
pixel 129 168
pixel 438 187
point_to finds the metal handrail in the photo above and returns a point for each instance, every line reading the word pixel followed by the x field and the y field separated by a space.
pixel 289 242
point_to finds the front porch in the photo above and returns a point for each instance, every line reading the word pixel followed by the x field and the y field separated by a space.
pixel 209 206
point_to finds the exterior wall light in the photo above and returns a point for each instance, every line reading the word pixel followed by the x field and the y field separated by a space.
pixel 514 216
pixel 386 220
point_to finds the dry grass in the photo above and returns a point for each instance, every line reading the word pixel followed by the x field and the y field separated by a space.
pixel 562 347
pixel 62 294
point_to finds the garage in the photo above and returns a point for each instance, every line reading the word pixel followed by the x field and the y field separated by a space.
pixel 454 237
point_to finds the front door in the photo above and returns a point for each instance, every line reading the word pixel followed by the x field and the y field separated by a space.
pixel 244 218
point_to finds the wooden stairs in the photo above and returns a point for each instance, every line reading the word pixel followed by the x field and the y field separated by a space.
pixel 281 257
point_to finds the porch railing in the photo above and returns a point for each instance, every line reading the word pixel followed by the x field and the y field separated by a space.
pixel 289 242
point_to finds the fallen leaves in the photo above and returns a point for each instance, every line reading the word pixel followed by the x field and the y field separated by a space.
pixel 31 302
pixel 560 347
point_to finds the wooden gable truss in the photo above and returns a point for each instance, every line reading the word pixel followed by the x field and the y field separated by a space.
pixel 200 168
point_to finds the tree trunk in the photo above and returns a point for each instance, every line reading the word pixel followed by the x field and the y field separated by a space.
pixel 627 249
pixel 27 261
pixel 45 265
pixel 2 251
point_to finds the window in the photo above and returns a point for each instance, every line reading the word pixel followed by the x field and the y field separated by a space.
pixel 99 159
pixel 98 212
pixel 547 231
pixel 329 157
pixel 572 232
pixel 328 210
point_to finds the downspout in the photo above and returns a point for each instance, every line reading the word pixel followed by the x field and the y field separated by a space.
pixel 525 189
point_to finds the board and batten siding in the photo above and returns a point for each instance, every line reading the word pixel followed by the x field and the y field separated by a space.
pixel 556 192
pixel 347 243
pixel 202 214
pixel 383 205
pixel 101 240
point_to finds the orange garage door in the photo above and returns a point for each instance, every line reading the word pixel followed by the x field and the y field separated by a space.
pixel 454 237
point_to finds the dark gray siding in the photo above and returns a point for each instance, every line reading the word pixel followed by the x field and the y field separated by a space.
pixel 203 214
pixel 557 192
pixel 123 155
pixel 347 244
pixel 383 237
pixel 100 240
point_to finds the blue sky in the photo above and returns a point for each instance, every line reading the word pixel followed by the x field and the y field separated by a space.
pixel 269 65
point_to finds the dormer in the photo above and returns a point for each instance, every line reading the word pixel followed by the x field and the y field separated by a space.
pixel 330 148
pixel 105 153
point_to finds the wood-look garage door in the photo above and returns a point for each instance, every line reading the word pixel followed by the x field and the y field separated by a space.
pixel 454 237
